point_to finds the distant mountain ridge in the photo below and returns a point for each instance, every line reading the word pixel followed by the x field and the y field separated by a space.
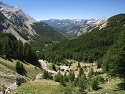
pixel 76 26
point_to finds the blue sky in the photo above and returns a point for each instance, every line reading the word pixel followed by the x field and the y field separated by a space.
pixel 69 9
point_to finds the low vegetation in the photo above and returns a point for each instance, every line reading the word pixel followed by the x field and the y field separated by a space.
pixel 93 81
pixel 30 69
pixel 37 87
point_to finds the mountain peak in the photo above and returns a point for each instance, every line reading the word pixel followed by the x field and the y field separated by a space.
pixel 7 8
pixel 16 15
pixel 1 3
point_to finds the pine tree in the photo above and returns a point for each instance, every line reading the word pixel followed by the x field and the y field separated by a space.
pixel 20 49
pixel 7 47
pixel 79 66
pixel 94 84
pixel 62 80
pixel 80 72
pixel 71 76
pixel 29 54
pixel 45 74
pixel 1 47
pixel 91 73
pixel 65 77
pixel 54 67
pixel 58 77
pixel 4 89
pixel 82 83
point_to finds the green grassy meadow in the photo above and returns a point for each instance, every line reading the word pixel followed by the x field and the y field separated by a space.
pixel 37 87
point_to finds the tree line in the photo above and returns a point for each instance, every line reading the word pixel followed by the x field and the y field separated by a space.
pixel 10 47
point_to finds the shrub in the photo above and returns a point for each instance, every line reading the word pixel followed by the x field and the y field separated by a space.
pixel 20 68
pixel 94 84
pixel 20 80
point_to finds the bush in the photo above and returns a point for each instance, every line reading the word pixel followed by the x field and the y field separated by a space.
pixel 46 75
pixel 100 79
pixel 4 89
pixel 54 67
pixel 19 81
pixel 58 77
pixel 20 68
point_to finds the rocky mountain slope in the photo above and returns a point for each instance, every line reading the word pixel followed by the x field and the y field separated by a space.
pixel 20 24
pixel 16 15
pixel 75 27
pixel 7 26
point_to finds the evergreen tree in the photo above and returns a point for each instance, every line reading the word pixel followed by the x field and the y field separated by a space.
pixel 71 76
pixel 29 54
pixel 62 80
pixel 4 89
pixel 79 66
pixel 80 72
pixel 82 83
pixel 94 84
pixel 7 47
pixel 1 47
pixel 46 75
pixel 20 49
pixel 58 77
pixel 54 67
pixel 65 77
pixel 91 73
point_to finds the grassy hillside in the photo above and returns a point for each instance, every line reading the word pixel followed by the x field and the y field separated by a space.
pixel 8 73
pixel 37 87
pixel 31 70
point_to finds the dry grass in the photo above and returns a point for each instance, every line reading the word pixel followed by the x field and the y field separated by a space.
pixel 110 87
pixel 9 67
pixel 37 87
pixel 86 67
pixel 8 72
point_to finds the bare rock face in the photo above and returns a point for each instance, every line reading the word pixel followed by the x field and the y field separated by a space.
pixel 17 16
pixel 8 27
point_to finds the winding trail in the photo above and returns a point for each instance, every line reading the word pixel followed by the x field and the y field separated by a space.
pixel 44 66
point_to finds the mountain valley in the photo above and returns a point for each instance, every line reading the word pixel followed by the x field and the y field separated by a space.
pixel 79 56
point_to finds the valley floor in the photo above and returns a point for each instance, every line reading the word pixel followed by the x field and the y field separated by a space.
pixel 36 85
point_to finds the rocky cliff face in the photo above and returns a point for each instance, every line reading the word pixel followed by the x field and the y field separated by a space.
pixel 18 17
pixel 7 26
